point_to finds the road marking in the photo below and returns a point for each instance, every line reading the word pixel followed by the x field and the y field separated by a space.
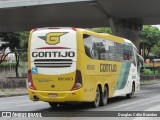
pixel 136 102
pixel 146 103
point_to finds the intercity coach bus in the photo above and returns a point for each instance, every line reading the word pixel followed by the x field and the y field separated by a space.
pixel 68 65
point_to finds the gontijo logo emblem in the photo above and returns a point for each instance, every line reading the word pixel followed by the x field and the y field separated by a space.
pixel 52 38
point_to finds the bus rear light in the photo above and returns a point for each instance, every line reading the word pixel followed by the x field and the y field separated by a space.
pixel 78 80
pixel 77 86
pixel 30 82
pixel 74 29
pixel 33 30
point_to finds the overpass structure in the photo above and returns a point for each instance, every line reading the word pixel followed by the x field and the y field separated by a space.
pixel 125 17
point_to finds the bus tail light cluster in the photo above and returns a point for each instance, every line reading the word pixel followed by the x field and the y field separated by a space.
pixel 78 80
pixel 74 28
pixel 30 82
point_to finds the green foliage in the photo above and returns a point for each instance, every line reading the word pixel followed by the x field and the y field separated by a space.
pixel 17 42
pixel 11 40
pixel 102 30
pixel 24 56
pixel 23 36
pixel 150 37
pixel 147 72
pixel 156 50
pixel 7 64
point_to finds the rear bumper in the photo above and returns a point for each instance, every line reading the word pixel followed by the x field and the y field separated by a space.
pixel 61 96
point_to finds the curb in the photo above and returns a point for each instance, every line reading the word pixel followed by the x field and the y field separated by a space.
pixel 149 82
pixel 12 95
pixel 13 92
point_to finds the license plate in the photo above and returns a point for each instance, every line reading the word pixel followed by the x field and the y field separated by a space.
pixel 53 95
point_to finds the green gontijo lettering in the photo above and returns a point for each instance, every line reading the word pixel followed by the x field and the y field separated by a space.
pixel 108 68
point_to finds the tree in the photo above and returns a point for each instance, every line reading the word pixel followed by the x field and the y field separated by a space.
pixel 102 30
pixel 23 36
pixel 11 41
pixel 4 55
pixel 156 49
pixel 149 37
pixel 21 51
pixel 17 43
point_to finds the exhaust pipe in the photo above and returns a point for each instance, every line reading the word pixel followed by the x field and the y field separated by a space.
pixel 36 98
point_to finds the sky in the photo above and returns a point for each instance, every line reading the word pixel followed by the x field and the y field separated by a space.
pixel 157 26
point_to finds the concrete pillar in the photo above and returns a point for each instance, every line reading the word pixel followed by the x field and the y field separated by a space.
pixel 127 28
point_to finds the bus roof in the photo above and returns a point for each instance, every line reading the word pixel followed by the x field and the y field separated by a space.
pixel 120 39
pixel 113 36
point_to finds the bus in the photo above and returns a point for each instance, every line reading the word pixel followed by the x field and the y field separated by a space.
pixel 73 65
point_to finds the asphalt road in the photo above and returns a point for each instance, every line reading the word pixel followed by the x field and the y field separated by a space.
pixel 148 99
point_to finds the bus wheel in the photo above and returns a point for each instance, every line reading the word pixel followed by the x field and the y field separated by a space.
pixel 130 95
pixel 53 105
pixel 95 103
pixel 104 97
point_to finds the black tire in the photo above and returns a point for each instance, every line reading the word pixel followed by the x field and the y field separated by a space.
pixel 96 103
pixel 53 105
pixel 130 95
pixel 104 97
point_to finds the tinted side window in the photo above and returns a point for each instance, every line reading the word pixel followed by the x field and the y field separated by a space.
pixel 125 52
pixel 87 44
pixel 98 48
pixel 94 47
pixel 128 53
pixel 120 51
